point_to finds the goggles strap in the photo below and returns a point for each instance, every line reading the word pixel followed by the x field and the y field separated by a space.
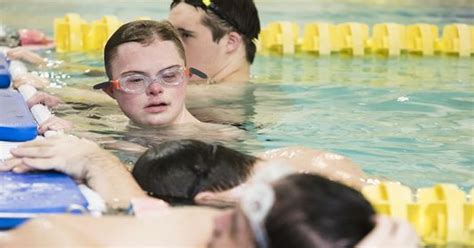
pixel 208 5
pixel 115 84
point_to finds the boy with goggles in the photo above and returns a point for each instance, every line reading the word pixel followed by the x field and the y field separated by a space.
pixel 145 63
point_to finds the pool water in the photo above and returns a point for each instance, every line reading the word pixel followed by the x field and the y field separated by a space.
pixel 410 118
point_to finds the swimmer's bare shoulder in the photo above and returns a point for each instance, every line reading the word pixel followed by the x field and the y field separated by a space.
pixel 327 164
pixel 85 231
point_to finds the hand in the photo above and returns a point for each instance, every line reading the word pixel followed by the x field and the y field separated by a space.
pixel 81 159
pixel 55 123
pixel 389 232
pixel 24 54
pixel 43 98
pixel 30 79
pixel 67 154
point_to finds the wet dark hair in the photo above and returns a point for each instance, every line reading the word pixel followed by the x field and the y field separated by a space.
pixel 10 40
pixel 176 171
pixel 312 211
pixel 144 32
pixel 224 16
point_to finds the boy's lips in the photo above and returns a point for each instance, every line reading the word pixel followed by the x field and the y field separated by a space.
pixel 156 107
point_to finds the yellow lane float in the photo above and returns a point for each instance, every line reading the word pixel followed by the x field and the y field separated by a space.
pixel 441 214
pixel 73 34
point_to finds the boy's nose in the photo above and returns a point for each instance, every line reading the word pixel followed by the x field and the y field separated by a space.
pixel 154 88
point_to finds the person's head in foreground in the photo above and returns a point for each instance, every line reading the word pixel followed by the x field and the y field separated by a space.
pixel 218 35
pixel 189 171
pixel 300 210
pixel 192 171
pixel 146 66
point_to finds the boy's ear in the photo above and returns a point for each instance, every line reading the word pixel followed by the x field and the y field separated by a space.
pixel 216 199
pixel 110 91
pixel 234 40
pixel 203 197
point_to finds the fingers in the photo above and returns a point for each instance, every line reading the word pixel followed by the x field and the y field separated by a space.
pixel 22 165
pixel 43 98
pixel 55 123
pixel 22 169
pixel 16 165
pixel 38 152
pixel 16 53
pixel 54 153
pixel 21 53
pixel 42 163
pixel 40 147
pixel 65 153
pixel 30 79
pixel 38 142
pixel 49 124
pixel 8 165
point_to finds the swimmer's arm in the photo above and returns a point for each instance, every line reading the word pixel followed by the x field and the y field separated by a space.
pixel 109 177
pixel 81 159
pixel 24 54
pixel 178 227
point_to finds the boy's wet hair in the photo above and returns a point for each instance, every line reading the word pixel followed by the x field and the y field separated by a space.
pixel 176 171
pixel 144 32
pixel 232 15
pixel 313 211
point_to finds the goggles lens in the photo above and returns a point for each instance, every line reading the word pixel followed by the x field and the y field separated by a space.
pixel 138 83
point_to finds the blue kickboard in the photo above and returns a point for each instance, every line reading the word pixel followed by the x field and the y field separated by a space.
pixel 16 121
pixel 5 76
pixel 22 196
